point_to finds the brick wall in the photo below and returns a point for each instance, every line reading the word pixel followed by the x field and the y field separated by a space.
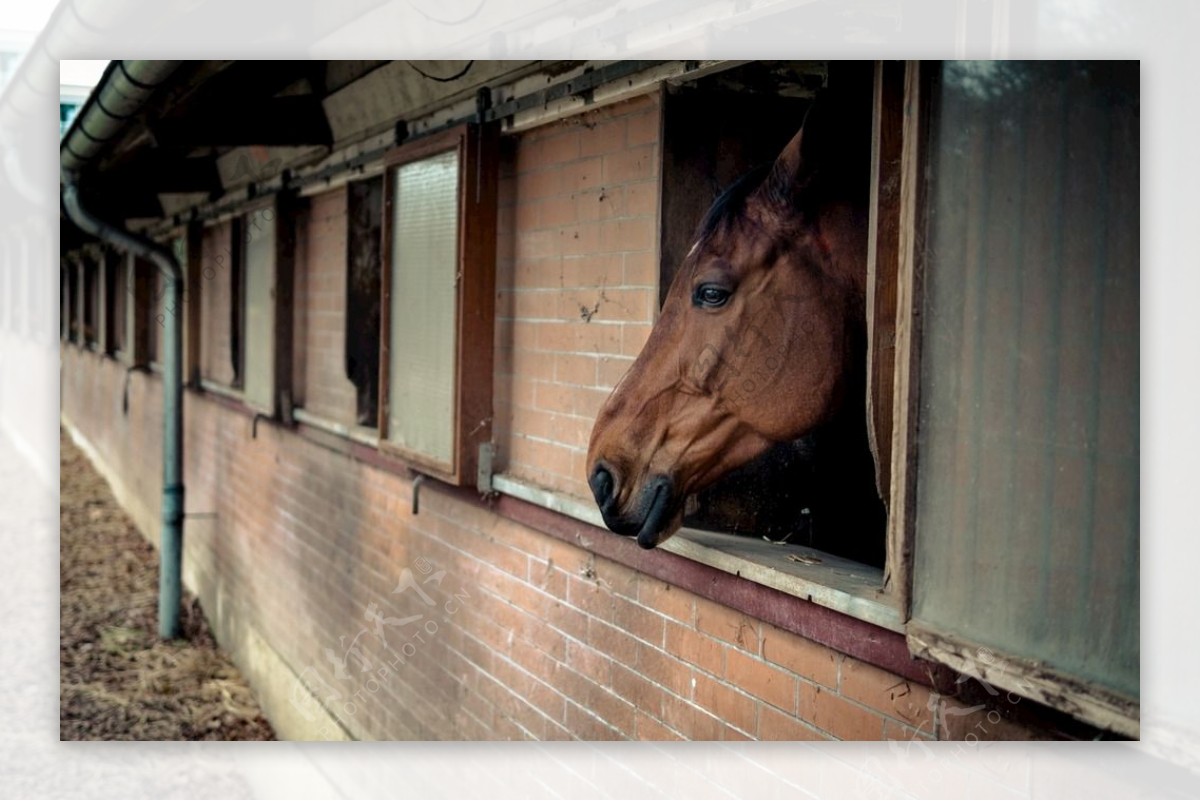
pixel 321 385
pixel 316 573
pixel 577 278
pixel 529 637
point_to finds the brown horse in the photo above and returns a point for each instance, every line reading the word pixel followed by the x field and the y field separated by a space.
pixel 760 340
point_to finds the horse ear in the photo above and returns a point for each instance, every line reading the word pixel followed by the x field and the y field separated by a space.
pixel 831 149
pixel 796 166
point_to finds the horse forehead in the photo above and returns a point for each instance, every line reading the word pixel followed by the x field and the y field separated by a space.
pixel 741 249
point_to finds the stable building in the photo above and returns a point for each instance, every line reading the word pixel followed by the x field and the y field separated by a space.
pixel 339 331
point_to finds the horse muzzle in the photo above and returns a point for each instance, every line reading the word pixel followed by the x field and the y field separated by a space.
pixel 651 514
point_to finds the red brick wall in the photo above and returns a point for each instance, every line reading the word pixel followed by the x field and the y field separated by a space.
pixel 577 278
pixel 322 386
pixel 545 640
pixel 528 636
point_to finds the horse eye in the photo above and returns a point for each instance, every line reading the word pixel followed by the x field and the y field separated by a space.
pixel 710 296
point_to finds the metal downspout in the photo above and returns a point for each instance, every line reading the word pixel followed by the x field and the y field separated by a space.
pixel 171 540
pixel 121 94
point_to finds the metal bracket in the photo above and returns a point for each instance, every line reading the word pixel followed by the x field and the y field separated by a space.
pixel 483 471
pixel 416 489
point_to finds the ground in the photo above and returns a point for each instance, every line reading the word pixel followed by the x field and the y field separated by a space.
pixel 118 681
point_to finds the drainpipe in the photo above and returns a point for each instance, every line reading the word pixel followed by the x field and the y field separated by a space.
pixel 122 92
pixel 171 540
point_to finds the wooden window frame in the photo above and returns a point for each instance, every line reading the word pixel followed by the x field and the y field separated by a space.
pixel 476 147
pixel 895 276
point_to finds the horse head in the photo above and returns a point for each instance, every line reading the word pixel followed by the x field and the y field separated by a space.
pixel 756 339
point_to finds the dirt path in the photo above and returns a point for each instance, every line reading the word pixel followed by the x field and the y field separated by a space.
pixel 117 680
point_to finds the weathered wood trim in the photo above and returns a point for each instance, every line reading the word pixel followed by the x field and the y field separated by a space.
pixel 909 287
pixel 883 256
pixel 1088 702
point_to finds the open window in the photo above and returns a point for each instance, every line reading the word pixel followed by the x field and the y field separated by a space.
pixel 71 291
pixel 1000 390
pixel 91 299
pixel 245 300
pixel 364 308
pixel 808 517
pixel 115 303
pixel 439 239
pixel 220 360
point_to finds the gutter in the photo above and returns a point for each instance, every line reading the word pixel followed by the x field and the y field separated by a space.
pixel 124 89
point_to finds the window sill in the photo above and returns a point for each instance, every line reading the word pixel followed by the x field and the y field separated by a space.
pixel 217 389
pixel 360 434
pixel 829 581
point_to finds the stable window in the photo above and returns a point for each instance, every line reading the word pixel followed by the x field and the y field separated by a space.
pixel 254 322
pixel 115 304
pixel 220 316
pixel 241 296
pixel 439 238
pixel 154 313
pixel 364 309
pixel 143 309
pixel 70 300
pixel 808 518
pixel 91 300
pixel 1001 391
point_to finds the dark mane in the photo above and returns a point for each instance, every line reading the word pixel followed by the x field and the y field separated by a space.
pixel 730 203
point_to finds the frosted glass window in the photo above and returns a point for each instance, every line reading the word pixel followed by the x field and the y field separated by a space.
pixel 259 379
pixel 1027 537
pixel 423 306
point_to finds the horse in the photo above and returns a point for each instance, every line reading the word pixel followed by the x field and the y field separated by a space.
pixel 760 343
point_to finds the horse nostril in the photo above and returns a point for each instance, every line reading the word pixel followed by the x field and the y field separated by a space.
pixel 601 483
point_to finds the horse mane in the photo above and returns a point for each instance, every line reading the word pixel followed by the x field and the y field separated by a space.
pixel 768 180
pixel 731 202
